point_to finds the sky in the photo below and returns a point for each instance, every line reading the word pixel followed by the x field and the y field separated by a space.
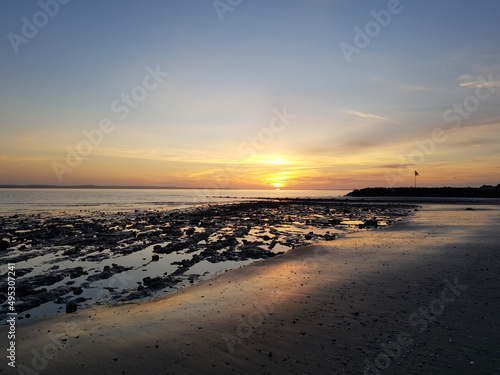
pixel 256 94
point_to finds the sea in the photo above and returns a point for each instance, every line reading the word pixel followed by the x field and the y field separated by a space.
pixel 72 201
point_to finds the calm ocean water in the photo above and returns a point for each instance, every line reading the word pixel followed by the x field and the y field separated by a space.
pixel 17 201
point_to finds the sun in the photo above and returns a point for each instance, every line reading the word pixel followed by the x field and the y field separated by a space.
pixel 278 180
pixel 275 170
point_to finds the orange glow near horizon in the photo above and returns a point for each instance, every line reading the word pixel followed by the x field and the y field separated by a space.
pixel 290 170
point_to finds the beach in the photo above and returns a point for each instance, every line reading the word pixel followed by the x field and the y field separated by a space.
pixel 66 261
pixel 420 296
pixel 250 187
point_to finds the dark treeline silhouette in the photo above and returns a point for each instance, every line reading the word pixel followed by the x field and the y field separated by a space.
pixel 485 191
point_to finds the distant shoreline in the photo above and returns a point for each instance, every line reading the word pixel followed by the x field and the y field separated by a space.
pixel 102 187
pixel 485 191
pixel 135 187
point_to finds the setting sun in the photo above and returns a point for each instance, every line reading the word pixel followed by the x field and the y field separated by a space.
pixel 279 180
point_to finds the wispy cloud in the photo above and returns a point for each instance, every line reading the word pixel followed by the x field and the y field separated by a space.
pixel 369 115
pixel 395 166
pixel 405 86
pixel 475 82
pixel 170 155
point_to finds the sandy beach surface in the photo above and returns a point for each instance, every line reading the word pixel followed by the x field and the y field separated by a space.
pixel 418 297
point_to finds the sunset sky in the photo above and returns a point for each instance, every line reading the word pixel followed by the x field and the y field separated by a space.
pixel 297 94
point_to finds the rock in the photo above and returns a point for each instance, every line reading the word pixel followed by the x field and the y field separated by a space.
pixel 23 271
pixel 4 245
pixel 107 272
pixel 157 248
pixel 72 251
pixel 169 248
pixel 190 231
pixel 24 290
pixel 51 279
pixel 71 307
pixel 371 223
pixel 149 233
pixel 77 291
pixel 77 272
pixel 28 305
pixel 155 258
pixel 157 283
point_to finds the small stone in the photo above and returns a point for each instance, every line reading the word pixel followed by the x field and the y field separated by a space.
pixel 4 245
pixel 71 307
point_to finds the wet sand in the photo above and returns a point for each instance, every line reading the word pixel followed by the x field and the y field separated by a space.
pixel 420 296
